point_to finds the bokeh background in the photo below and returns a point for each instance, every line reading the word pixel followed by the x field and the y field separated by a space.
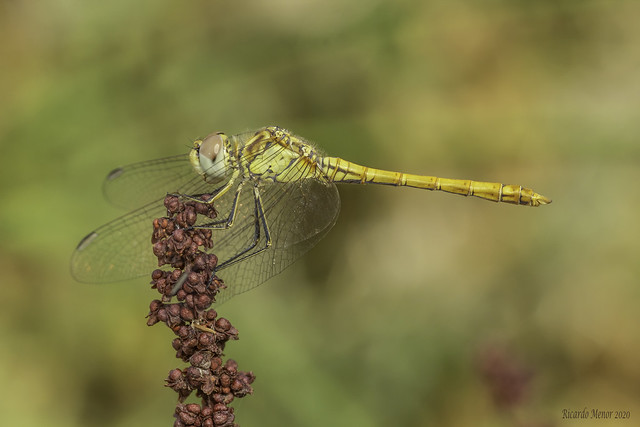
pixel 419 308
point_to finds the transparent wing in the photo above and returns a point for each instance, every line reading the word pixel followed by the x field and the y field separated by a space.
pixel 298 214
pixel 140 183
pixel 298 210
pixel 121 249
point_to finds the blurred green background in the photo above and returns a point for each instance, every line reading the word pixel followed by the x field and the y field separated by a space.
pixel 418 307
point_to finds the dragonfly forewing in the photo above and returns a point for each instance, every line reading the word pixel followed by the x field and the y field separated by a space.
pixel 137 184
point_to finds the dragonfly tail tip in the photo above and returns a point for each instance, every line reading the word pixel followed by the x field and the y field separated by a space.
pixel 541 200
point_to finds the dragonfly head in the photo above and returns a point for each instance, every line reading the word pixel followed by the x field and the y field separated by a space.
pixel 209 156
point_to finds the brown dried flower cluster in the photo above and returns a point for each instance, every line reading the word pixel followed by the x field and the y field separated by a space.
pixel 200 334
pixel 509 380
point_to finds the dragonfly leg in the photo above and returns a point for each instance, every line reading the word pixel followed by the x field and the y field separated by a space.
pixel 217 193
pixel 260 225
pixel 227 222
pixel 216 225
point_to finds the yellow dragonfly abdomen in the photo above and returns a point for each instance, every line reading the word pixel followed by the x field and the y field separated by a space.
pixel 340 170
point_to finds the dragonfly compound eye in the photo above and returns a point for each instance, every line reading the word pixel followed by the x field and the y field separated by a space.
pixel 212 156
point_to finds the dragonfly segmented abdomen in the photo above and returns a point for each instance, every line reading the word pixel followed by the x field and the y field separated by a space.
pixel 339 170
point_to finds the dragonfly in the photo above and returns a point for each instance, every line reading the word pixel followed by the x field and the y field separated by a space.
pixel 275 192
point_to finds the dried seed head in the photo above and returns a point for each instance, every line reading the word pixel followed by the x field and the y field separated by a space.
pixel 200 335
